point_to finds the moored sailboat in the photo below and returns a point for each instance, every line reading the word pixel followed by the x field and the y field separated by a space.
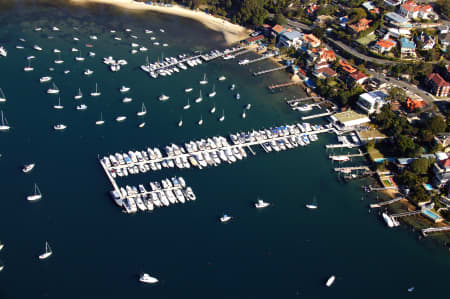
pixel 143 111
pixel 36 194
pixel 4 123
pixel 100 121
pixel 48 252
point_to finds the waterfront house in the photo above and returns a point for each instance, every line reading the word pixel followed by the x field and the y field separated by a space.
pixel 438 86
pixel 371 102
pixel 324 72
pixel 254 39
pixel 311 41
pixel 358 77
pixel 441 170
pixel 407 48
pixel 290 39
pixel 361 25
pixel 385 44
pixel 277 30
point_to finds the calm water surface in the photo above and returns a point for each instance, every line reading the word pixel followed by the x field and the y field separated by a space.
pixel 284 251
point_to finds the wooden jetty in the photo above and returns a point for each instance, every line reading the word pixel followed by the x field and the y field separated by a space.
pixel 360 154
pixel 271 87
pixel 270 70
pixel 352 168
pixel 266 56
pixel 384 203
pixel 425 231
pixel 405 214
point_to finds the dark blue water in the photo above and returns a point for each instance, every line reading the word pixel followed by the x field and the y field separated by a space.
pixel 284 251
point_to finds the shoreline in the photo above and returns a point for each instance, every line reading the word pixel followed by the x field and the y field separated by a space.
pixel 232 33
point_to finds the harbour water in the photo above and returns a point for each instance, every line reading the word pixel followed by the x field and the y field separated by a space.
pixel 282 251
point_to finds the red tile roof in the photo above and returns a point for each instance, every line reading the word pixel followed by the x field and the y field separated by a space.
pixel 327 71
pixel 278 28
pixel 410 6
pixel 386 43
pixel 255 38
pixel 438 80
pixel 347 67
pixel 358 75
pixel 446 162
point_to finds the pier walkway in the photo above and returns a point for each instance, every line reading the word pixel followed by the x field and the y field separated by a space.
pixel 208 58
pixel 360 154
pixel 425 231
pixel 111 179
pixel 342 145
pixel 317 115
pixel 266 56
pixel 384 203
pixel 270 70
pixel 271 87
pixel 352 168
pixel 291 102
pixel 240 53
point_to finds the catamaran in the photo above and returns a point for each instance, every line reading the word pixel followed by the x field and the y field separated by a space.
pixel 200 98
pixel 79 95
pixel 59 106
pixel 238 96
pixel 143 111
pixel 261 204
pixel 145 278
pixel 48 252
pixel 96 93
pixel 100 121
pixel 28 68
pixel 213 93
pixel 36 195
pixel 2 96
pixel 222 118
pixel 53 90
pixel 28 167
pixel 187 106
pixel 4 123
pixel 204 81
pixel 200 122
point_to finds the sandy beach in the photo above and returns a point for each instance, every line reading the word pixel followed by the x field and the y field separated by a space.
pixel 232 32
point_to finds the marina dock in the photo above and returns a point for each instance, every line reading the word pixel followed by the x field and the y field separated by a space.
pixel 360 154
pixel 405 214
pixel 328 113
pixel 350 169
pixel 384 203
pixel 342 145
pixel 270 70
pixel 299 100
pixel 271 87
pixel 265 56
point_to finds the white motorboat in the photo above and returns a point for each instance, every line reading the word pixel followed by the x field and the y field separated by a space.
pixel 121 118
pixel 115 67
pixel 244 115
pixel 48 252
pixel 55 28
pixel 145 278
pixel 388 220
pixel 188 89
pixel 204 81
pixel 37 48
pixel 143 111
pixel 53 90
pixel 261 204
pixel 79 57
pixel 180 123
pixel 147 31
pixel 200 98
pixel 213 109
pixel 3 52
pixel 225 218
pixel 330 281
pixel 88 72
pixel 59 127
pixel 222 78
pixel 200 122
pixel 56 51
pixel 4 123
pixel 91 54
pixel 124 89
pixel 341 158
pixel 127 100
pixel 100 121
pixel 93 37
pixel 28 167
pixel 82 107
pixel 79 95
pixel 165 45
pixel 248 106
pixel 75 50
pixel 36 194
pixel 163 98
pixel 213 92
pixel 187 106
pixel 96 93
pixel 42 80
pixel 58 106
pixel 2 96
pixel 141 125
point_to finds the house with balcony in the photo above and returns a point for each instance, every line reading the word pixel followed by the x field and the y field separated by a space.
pixel 358 77
pixel 386 44
pixel 438 86
pixel 407 48
pixel 290 39
pixel 441 170
pixel 371 102
pixel 311 41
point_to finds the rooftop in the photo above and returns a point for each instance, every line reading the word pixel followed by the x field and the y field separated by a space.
pixel 350 115
pixel 406 43
pixel 291 35
pixel 386 43
pixel 438 80
pixel 410 6
pixel 278 28
pixel 358 75
pixel 395 17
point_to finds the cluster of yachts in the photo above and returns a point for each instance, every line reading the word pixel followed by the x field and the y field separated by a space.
pixel 168 192
pixel 170 65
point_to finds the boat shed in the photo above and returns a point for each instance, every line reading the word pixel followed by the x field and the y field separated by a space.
pixel 349 119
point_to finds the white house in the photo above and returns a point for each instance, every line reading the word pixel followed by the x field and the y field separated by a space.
pixel 291 39
pixel 371 102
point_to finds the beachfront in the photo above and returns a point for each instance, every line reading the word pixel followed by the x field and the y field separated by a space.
pixel 232 32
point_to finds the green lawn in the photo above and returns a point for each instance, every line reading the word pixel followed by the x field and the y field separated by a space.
pixel 366 39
